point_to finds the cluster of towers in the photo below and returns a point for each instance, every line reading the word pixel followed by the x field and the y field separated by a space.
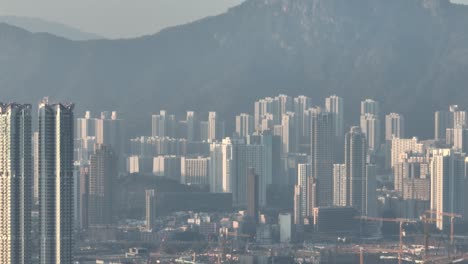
pixel 55 182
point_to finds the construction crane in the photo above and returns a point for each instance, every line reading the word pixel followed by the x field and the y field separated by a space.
pixel 221 256
pixel 401 221
pixel 426 220
pixel 452 219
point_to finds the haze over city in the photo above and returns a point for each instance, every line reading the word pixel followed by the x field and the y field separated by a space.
pixel 233 131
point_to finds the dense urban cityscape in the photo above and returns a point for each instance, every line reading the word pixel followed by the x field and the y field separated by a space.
pixel 292 184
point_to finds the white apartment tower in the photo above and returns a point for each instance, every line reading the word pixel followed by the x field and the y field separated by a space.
pixel 16 179
pixel 394 126
pixel 335 104
pixel 56 182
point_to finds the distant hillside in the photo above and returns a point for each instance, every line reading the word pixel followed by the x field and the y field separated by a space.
pixel 412 55
pixel 36 25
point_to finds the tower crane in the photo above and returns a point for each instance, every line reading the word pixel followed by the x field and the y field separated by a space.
pixel 401 221
pixel 452 219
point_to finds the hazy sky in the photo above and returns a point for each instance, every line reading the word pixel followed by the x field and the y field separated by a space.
pixel 117 18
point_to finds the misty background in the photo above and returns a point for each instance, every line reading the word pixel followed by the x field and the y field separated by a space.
pixel 117 18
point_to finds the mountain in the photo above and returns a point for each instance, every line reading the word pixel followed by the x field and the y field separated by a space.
pixel 40 25
pixel 412 55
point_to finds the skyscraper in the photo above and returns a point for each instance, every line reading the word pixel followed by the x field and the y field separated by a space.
pixel 369 106
pixel 244 125
pixel 56 182
pixel 195 170
pixel 36 166
pixel 401 145
pixel 252 195
pixel 447 183
pixel 394 126
pixel 443 120
pixel 355 161
pixel 212 126
pixel 335 104
pixel 339 185
pixel 151 209
pixel 289 133
pixel 370 127
pixel 301 104
pixel 193 126
pixel 16 179
pixel 322 149
pixel 303 206
pixel 158 124
pixel 102 175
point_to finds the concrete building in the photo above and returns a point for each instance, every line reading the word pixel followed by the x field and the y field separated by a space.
pixel 370 106
pixel 151 209
pixel 195 170
pixel 339 185
pixel 443 120
pixel 193 126
pixel 102 177
pixel 285 223
pixel 168 166
pixel 56 182
pixel 35 141
pixel 355 162
pixel 253 195
pixel 16 179
pixel 394 126
pixel 244 125
pixel 370 127
pixel 335 104
pixel 289 134
pixel 322 150
pixel 300 106
pixel 304 203
pixel 447 184
pixel 460 139
pixel 402 145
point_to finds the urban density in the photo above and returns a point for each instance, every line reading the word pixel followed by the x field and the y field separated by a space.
pixel 292 183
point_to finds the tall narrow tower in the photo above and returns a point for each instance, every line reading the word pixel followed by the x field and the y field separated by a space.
pixel 56 182
pixel 322 150
pixel 15 183
pixel 355 162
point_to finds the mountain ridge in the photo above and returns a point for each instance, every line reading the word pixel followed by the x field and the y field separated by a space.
pixel 412 55
pixel 37 25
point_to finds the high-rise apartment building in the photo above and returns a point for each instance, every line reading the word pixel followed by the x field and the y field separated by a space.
pixel 355 161
pixel 447 171
pixel 151 209
pixel 335 104
pixel 102 176
pixel 322 158
pixel 253 195
pixel 195 170
pixel 369 106
pixel 244 125
pixel 35 141
pixel 167 166
pixel 394 126
pixel 56 182
pixel 370 127
pixel 193 126
pixel 340 185
pixel 16 178
pixel 289 134
pixel 300 106
pixel 401 145
pixel 304 203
